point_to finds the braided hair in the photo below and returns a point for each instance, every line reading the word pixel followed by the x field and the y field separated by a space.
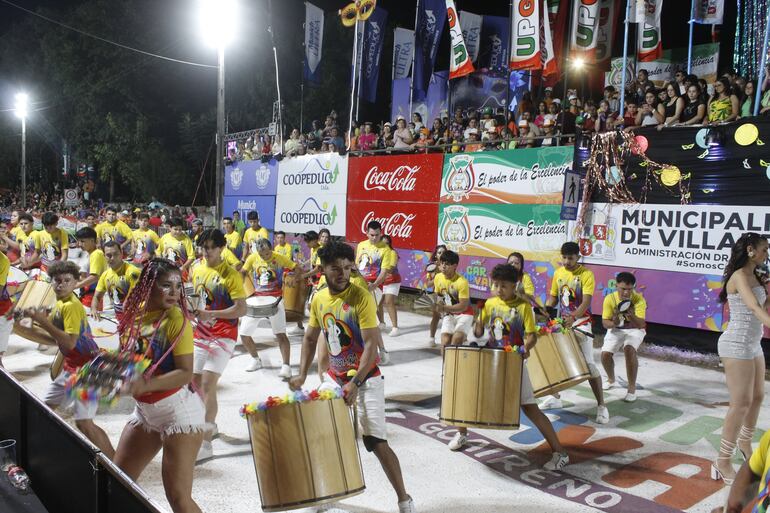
pixel 739 257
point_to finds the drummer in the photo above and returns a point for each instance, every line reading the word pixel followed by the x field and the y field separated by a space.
pixel 30 253
pixel 51 241
pixel 234 240
pixel 390 289
pixel 623 314
pixel 572 289
pixel 430 289
pixel 68 326
pixel 114 229
pixel 217 330
pixel 6 306
pixel 253 233
pixel 347 314
pixel 97 264
pixel 266 269
pixel 177 247
pixel 8 242
pixel 117 281
pixel 510 321
pixel 146 241
pixel 454 301
pixel 282 247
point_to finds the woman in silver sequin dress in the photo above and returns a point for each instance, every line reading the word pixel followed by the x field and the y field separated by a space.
pixel 740 350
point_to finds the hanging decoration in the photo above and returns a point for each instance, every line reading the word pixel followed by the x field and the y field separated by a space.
pixel 749 36
pixel 357 11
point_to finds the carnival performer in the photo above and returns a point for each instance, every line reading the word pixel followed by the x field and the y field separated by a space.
pixel 524 288
pixel 312 240
pixel 6 306
pixel 114 229
pixel 52 242
pixel 177 247
pixel 232 260
pixel 454 301
pixel 196 229
pixel 116 282
pixel 375 260
pixel 390 289
pixel 234 240
pixel 253 233
pixel 510 321
pixel 28 250
pixel 146 241
pixel 8 243
pixel 67 324
pixel 744 290
pixel 280 245
pixel 221 287
pixel 572 288
pixel 97 264
pixel 623 314
pixel 347 314
pixel 430 288
pixel 168 415
pixel 267 270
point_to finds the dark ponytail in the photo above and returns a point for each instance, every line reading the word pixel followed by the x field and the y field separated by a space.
pixel 738 258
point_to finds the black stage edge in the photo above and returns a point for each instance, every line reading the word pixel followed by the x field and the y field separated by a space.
pixel 67 472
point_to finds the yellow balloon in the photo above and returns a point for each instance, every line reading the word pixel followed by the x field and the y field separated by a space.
pixel 746 134
pixel 670 176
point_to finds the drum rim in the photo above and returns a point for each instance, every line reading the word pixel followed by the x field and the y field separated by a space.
pixel 315 502
pixel 460 422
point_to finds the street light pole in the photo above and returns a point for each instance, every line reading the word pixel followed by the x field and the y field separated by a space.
pixel 21 113
pixel 220 177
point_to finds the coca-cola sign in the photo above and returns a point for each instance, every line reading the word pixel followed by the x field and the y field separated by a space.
pixel 408 177
pixel 411 225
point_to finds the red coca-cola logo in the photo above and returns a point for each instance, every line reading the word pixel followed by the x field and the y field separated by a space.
pixel 398 225
pixel 400 179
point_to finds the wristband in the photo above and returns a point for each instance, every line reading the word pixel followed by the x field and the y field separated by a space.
pixel 357 382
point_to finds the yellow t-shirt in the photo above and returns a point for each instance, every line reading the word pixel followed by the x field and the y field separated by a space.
pixel 176 250
pixel 5 298
pixel 145 244
pixel 342 318
pixel 611 302
pixel 251 236
pixel 267 277
pixel 508 321
pixel 117 231
pixel 27 243
pixel 526 285
pixel 220 286
pixel 15 232
pixel 451 292
pixel 117 284
pixel 97 265
pixel 235 243
pixel 759 463
pixel 228 256
pixel 283 249
pixel 569 287
pixel 50 245
pixel 69 316
pixel 371 259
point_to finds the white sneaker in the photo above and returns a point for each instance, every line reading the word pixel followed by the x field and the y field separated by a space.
pixel 551 403
pixel 406 506
pixel 206 452
pixel 458 442
pixel 214 431
pixel 602 415
pixel 393 332
pixel 384 357
pixel 285 371
pixel 629 398
pixel 255 365
pixel 559 460
pixel 294 330
pixel 382 326
pixel 607 384
pixel 433 342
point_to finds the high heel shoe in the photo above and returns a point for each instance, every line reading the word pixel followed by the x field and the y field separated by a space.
pixel 717 475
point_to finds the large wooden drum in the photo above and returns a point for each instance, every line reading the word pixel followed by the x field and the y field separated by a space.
pixel 36 294
pixel 16 281
pixel 556 363
pixel 305 454
pixel 294 296
pixel 481 387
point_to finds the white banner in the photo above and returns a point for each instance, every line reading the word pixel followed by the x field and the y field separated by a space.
pixel 705 59
pixel 709 12
pixel 403 52
pixel 585 24
pixel 638 10
pixel 314 36
pixel 649 37
pixel 682 238
pixel 471 24
pixel 459 59
pixel 299 213
pixel 548 58
pixel 525 35
pixel 325 173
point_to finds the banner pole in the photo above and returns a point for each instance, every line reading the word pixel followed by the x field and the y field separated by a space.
pixel 625 61
pixel 762 69
pixel 508 69
pixel 353 85
pixel 360 66
pixel 414 55
pixel 689 44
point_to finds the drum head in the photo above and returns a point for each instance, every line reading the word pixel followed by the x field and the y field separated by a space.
pixel 16 275
pixel 624 306
pixel 261 301
pixel 431 267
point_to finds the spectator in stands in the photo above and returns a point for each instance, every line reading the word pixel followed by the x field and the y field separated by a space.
pixel 679 78
pixel 604 117
pixel 386 138
pixel 423 140
pixel 402 138
pixel 313 143
pixel 652 112
pixel 328 125
pixel 437 133
pixel 674 105
pixel 566 118
pixel 548 96
pixel 724 105
pixel 335 140
pixel 542 112
pixel 694 110
pixel 457 128
pixel 488 124
pixel 317 130
pixel 155 220
pixel 507 140
pixel 628 122
pixel 417 120
pixel 526 139
pixel 473 128
pixel 291 148
pixel 526 104
pixel 472 143
pixel 704 91
pixel 641 84
pixel 747 103
pixel 549 135
pixel 611 97
pixel 553 111
pixel 368 139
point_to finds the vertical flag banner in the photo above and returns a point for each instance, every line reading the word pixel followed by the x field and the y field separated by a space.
pixel 548 58
pixel 459 60
pixel 374 37
pixel 649 42
pixel 314 36
pixel 471 24
pixel 525 35
pixel 558 11
pixel 608 15
pixel 585 28
pixel 709 12
pixel 403 51
pixel 495 41
pixel 431 16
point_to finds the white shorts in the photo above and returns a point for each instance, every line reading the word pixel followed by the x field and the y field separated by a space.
pixel 55 395
pixel 587 348
pixel 371 408
pixel 616 339
pixel 249 325
pixel 527 393
pixel 214 357
pixel 182 412
pixel 377 293
pixel 6 325
pixel 451 324
pixel 391 289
